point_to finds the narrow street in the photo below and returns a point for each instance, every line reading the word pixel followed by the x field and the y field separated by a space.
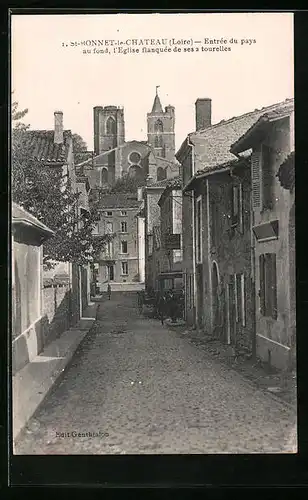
pixel 143 388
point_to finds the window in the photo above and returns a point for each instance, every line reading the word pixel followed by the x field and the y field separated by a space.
pixel 135 157
pixel 124 266
pixel 237 207
pixel 199 229
pixel 124 227
pixel 109 228
pixel 240 299
pixel 158 127
pixel 95 229
pixel 262 177
pixel 267 177
pixel 268 285
pixel 111 126
pixel 109 214
pixel 104 176
pixel 123 246
pixel 123 212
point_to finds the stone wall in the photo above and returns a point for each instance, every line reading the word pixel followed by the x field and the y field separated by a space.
pixel 56 311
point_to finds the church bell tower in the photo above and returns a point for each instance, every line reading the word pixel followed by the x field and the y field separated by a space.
pixel 161 129
pixel 109 128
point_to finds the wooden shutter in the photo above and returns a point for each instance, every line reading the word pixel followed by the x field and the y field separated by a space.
pixel 236 298
pixel 256 179
pixel 262 284
pixel 243 300
pixel 273 284
pixel 267 177
pixel 241 214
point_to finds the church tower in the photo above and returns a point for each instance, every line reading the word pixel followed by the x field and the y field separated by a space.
pixel 109 128
pixel 161 129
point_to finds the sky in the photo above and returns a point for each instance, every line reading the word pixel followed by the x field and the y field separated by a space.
pixel 50 74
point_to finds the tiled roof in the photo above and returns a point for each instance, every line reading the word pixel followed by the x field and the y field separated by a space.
pixel 212 145
pixel 43 147
pixel 119 200
pixel 165 182
pixel 280 110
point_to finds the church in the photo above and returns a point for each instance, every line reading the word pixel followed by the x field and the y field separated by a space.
pixel 115 158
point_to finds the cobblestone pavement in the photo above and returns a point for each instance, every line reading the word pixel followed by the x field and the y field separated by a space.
pixel 145 389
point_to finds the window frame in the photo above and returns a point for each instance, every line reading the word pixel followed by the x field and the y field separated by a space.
pixel 109 223
pixel 267 177
pixel 268 285
pixel 108 213
pixel 122 243
pixel 124 262
pixel 124 223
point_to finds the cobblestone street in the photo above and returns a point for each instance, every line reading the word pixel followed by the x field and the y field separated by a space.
pixel 144 388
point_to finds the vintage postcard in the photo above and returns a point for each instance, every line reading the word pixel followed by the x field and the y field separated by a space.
pixel 153 234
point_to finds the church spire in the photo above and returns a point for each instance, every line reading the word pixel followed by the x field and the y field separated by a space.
pixel 157 107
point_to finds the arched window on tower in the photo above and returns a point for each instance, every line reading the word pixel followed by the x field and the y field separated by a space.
pixel 111 126
pixel 104 176
pixel 158 127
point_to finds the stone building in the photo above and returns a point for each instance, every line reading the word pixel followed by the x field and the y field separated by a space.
pixel 167 245
pixel 114 157
pixel 54 149
pixel 271 139
pixel 28 333
pixel 151 194
pixel 217 228
pixel 119 261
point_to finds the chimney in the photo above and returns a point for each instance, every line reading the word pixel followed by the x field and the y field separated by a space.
pixel 203 113
pixel 58 134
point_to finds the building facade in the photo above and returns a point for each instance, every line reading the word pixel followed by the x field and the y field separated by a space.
pixel 119 261
pixel 218 261
pixel 168 238
pixel 271 139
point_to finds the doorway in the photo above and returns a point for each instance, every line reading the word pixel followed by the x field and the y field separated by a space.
pixel 199 294
pixel 231 331
pixel 215 300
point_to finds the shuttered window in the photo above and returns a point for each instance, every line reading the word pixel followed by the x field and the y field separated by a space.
pixel 267 177
pixel 256 179
pixel 268 285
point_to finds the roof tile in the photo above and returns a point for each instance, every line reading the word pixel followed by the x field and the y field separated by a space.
pixel 41 142
pixel 119 200
pixel 213 143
